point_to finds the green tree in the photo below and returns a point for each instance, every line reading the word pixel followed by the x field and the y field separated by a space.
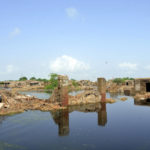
pixel 53 81
pixel 32 78
pixel 23 78
pixel 44 80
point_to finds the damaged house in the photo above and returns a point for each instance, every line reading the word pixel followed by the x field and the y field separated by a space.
pixel 142 85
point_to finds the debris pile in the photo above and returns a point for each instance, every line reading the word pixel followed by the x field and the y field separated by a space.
pixel 87 97
pixel 15 103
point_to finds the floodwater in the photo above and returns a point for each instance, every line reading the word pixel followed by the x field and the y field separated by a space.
pixel 43 95
pixel 74 93
pixel 118 126
pixel 40 95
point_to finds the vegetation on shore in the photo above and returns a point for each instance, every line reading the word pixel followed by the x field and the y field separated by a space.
pixel 53 82
pixel 122 80
pixel 23 78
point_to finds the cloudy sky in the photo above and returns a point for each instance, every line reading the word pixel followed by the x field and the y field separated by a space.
pixel 84 39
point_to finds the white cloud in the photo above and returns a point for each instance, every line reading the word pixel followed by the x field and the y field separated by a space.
pixel 10 68
pixel 66 64
pixel 147 67
pixel 72 12
pixel 128 66
pixel 15 32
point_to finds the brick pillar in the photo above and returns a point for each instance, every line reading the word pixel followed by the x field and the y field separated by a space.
pixel 64 96
pixel 63 90
pixel 102 115
pixel 102 88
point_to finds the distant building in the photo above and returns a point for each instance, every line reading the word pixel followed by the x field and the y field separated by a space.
pixel 20 84
pixel 142 85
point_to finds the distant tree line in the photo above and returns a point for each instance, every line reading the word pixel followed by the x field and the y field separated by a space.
pixel 32 79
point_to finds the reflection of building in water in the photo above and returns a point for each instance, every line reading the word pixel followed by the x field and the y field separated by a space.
pixel 102 115
pixel 2 118
pixel 61 118
pixel 142 103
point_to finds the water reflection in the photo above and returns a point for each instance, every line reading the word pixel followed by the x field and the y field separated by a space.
pixel 61 117
pixel 2 118
pixel 37 94
pixel 74 93
pixel 142 103
pixel 102 115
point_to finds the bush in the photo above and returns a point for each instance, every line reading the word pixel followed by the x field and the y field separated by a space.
pixel 53 81
pixel 23 79
pixel 44 80
pixel 32 78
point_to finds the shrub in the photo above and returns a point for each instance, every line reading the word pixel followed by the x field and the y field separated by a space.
pixel 53 81
pixel 23 79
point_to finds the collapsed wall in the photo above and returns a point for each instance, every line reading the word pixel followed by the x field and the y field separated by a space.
pixel 60 94
pixel 142 90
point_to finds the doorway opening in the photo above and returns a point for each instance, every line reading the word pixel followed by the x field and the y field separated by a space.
pixel 147 87
pixel 148 100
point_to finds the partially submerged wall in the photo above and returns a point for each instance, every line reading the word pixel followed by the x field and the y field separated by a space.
pixel 141 85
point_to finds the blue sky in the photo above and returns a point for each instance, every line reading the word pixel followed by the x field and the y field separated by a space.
pixel 84 39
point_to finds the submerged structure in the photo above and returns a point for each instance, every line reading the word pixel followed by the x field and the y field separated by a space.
pixel 61 96
pixel 142 90
pixel 12 101
pixel 142 85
